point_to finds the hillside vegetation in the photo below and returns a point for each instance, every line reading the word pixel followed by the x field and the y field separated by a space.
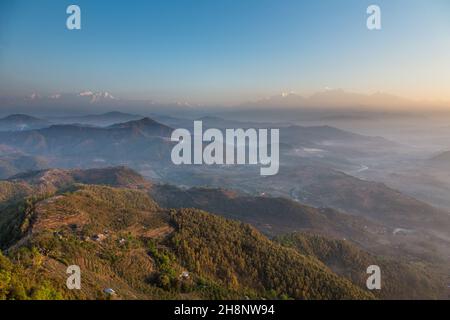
pixel 400 279
pixel 143 250
pixel 122 239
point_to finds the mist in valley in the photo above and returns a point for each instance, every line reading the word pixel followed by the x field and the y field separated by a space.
pixel 380 182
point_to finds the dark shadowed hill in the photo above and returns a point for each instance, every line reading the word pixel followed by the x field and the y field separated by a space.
pixel 141 140
pixel 441 161
pixel 14 163
pixel 20 122
pixel 105 119
pixel 273 216
pixel 145 126
pixel 319 186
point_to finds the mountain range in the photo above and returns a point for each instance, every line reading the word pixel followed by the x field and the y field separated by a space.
pixel 64 104
pixel 107 222
pixel 102 120
pixel 321 223
pixel 328 99
pixel 21 122
pixel 334 99
pixel 79 144
pixel 93 141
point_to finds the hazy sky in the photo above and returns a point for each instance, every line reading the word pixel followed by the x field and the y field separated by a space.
pixel 225 51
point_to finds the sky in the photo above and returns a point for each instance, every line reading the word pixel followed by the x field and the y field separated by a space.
pixel 215 52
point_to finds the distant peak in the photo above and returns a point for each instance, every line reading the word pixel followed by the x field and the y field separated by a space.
pixel 86 93
pixel 96 96
pixel 145 121
pixel 287 94
pixel 115 113
pixel 34 96
pixel 138 123
pixel 15 117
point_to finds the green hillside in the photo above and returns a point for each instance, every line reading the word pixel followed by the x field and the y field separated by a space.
pixel 123 239
pixel 143 250
pixel 400 279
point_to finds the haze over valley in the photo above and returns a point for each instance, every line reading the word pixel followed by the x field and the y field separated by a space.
pixel 332 183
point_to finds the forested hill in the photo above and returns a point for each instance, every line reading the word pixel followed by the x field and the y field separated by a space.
pixel 106 222
pixel 122 240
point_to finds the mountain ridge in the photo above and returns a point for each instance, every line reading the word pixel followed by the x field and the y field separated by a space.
pixel 62 229
pixel 21 122
pixel 113 222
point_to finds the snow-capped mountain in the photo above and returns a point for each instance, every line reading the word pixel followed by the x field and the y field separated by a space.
pixel 331 98
pixel 97 96
pixel 87 101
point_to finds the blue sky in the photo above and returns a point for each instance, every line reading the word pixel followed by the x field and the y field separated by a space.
pixel 225 51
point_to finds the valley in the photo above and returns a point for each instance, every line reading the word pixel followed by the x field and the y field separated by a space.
pixel 324 210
